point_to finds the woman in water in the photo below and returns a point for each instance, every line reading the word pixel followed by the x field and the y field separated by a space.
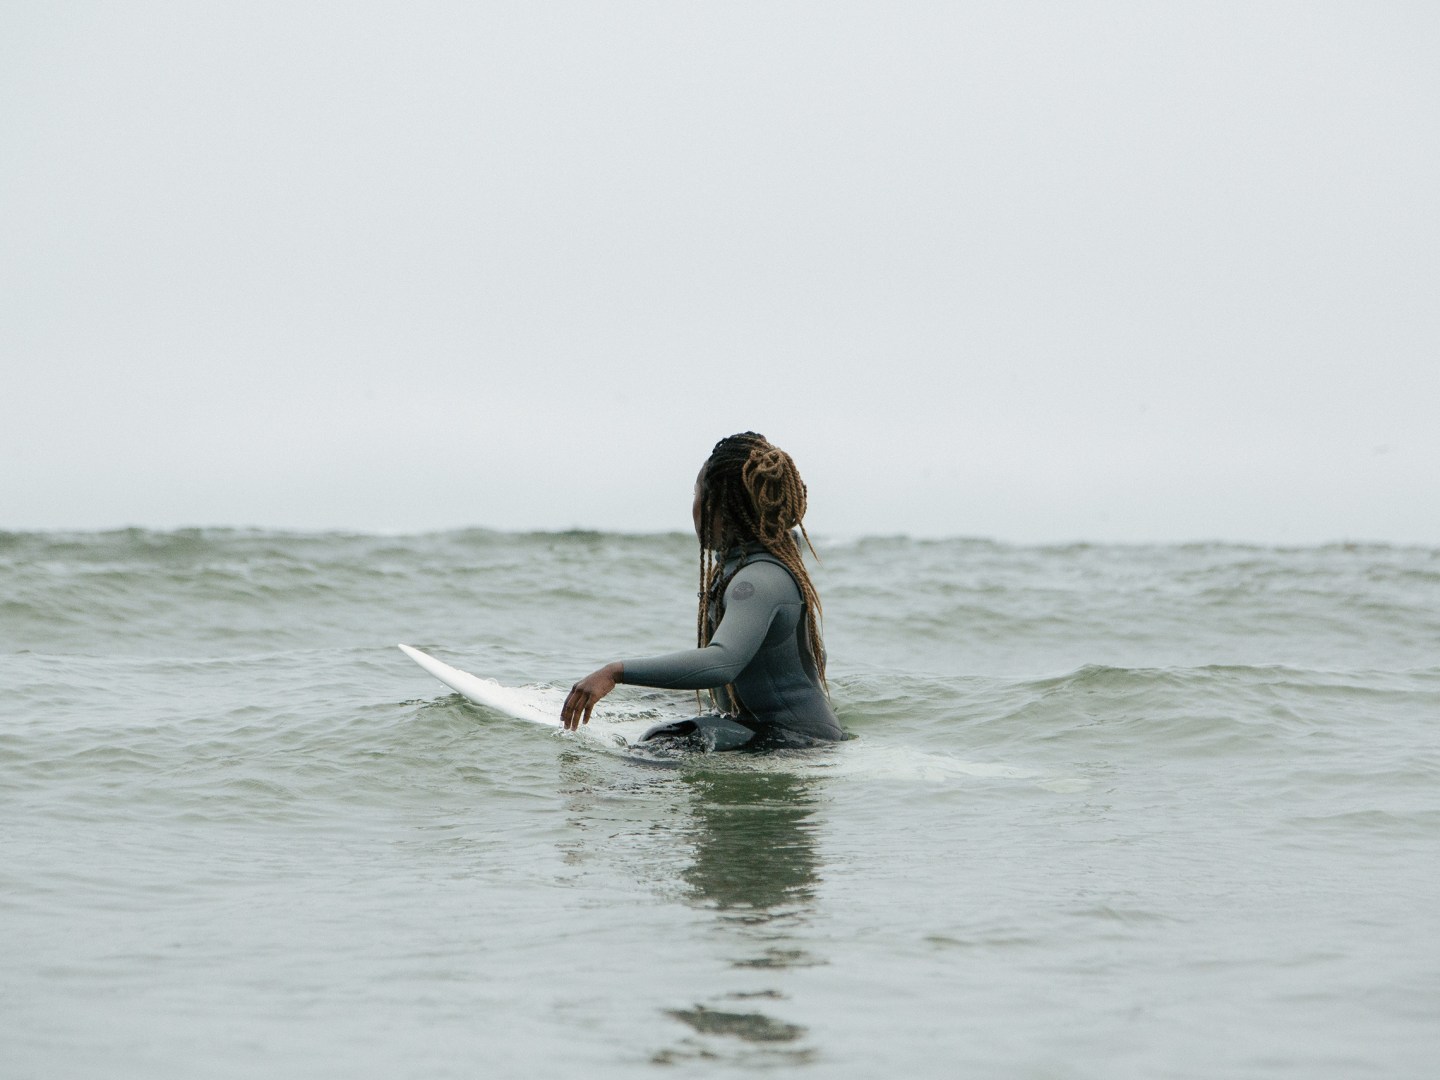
pixel 759 651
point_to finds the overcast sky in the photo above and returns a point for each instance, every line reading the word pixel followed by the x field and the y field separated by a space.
pixel 1039 272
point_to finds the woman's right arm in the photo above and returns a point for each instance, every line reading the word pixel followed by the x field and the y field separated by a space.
pixel 752 599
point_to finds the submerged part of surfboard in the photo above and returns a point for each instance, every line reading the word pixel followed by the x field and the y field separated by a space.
pixel 487 692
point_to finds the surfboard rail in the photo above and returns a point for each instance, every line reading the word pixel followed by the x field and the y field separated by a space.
pixel 486 692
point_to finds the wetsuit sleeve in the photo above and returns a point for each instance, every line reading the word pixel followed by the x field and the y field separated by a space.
pixel 752 599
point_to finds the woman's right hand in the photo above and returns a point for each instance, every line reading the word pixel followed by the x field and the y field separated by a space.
pixel 580 702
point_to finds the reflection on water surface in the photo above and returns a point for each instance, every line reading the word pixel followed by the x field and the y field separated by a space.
pixel 732 835
pixel 755 863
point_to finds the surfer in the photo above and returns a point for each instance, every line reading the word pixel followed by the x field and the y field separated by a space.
pixel 758 650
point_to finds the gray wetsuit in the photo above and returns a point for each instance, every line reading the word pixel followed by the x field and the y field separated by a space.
pixel 761 647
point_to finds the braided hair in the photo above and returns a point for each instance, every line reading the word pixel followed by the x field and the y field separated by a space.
pixel 750 491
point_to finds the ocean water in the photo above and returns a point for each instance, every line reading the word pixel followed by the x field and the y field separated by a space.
pixel 1109 811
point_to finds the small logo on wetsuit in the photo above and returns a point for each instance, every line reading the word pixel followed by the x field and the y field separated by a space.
pixel 743 591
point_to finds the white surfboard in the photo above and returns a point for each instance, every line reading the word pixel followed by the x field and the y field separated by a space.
pixel 503 699
pixel 622 724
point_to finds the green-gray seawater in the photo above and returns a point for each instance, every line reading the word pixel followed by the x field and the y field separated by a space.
pixel 1158 811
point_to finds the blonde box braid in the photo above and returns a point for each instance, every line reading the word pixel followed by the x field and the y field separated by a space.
pixel 751 491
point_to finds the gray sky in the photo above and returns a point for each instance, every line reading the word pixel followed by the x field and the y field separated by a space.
pixel 1100 271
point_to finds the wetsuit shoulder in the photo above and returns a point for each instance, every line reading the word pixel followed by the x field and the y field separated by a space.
pixel 764 579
